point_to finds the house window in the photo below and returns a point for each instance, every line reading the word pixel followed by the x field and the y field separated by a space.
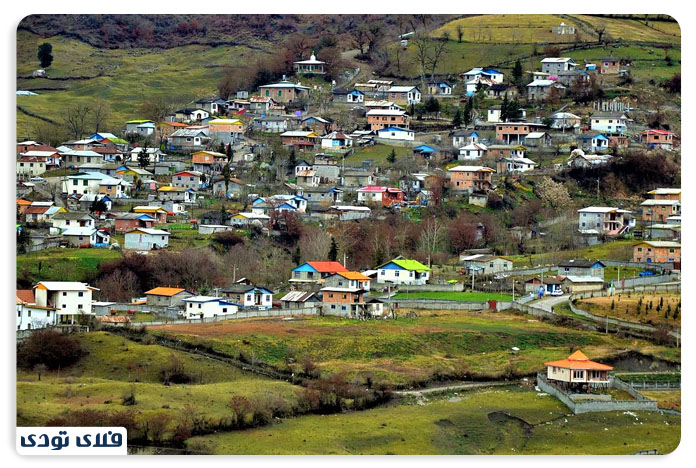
pixel 79 306
pixel 80 294
pixel 64 293
pixel 578 374
pixel 28 313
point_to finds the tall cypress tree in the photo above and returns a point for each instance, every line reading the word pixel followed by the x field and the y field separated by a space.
pixel 333 251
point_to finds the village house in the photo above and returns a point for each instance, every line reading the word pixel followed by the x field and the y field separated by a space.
pixel 556 65
pixel 85 237
pixel 603 220
pixel 72 300
pixel 189 115
pixel 563 29
pixel 322 196
pixel 31 316
pixel 226 131
pixel 577 373
pixel 51 159
pixel 539 89
pixel 514 165
pixel 609 122
pixel 386 196
pixel 599 143
pixel 146 239
pixel 132 126
pixel 501 90
pixel 657 252
pixel 548 285
pixel 348 279
pixel 579 284
pixel 74 158
pixel 124 222
pixel 486 264
pixel 351 178
pixel 73 219
pixel 404 95
pixel 229 189
pixel 319 125
pixel 271 124
pixel 506 151
pixel 214 106
pixel 565 120
pixel 472 151
pixel 208 162
pixel 177 194
pixel 301 140
pixel 207 307
pixel 154 155
pixel 537 140
pixel 30 145
pixel 284 91
pixel 578 158
pixel 336 140
pixel 309 67
pixel 436 88
pixel 30 166
pixel 249 295
pixel 298 300
pixel 381 105
pixel 188 180
pixel 188 140
pixel 663 231
pixel 469 178
pixel 463 137
pixel 396 133
pixel 658 210
pixel 665 194
pixel 609 65
pixel 488 73
pixel 378 119
pixel 403 271
pixel 84 202
pixel 581 267
pixel 514 132
pixel 246 219
pixel 315 272
pixel 660 139
pixel 156 212
pixel 348 96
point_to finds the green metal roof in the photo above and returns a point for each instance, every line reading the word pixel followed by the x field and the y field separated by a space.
pixel 411 265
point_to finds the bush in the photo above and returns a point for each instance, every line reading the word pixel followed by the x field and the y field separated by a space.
pixel 50 348
pixel 175 373
pixel 98 418
pixel 128 399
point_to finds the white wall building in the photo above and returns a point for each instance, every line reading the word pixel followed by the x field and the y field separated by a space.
pixel 197 307
pixel 146 239
pixel 32 316
pixel 71 299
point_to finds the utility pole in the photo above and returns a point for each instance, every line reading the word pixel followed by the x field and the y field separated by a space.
pixel 473 273
pixel 513 290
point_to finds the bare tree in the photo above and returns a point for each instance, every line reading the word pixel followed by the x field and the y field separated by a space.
pixel 101 111
pixel 314 244
pixel 155 108
pixel 431 236
pixel 76 119
pixel 460 33
pixel 360 37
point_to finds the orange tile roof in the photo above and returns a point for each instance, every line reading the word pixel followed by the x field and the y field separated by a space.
pixel 328 267
pixel 162 291
pixel 23 202
pixel 578 360
pixel 26 295
pixel 354 275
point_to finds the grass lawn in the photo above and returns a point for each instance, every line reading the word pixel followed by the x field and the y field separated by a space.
pixel 454 296
pixel 435 343
pixel 66 264
pixel 378 153
pixel 510 420
pixel 114 365
pixel 615 250
pixel 667 399
pixel 626 307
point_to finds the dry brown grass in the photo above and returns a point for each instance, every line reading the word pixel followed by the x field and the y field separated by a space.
pixel 625 307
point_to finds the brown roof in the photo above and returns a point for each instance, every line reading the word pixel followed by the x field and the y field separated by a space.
pixel 26 295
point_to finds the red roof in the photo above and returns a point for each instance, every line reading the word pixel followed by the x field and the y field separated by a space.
pixel 578 360
pixel 26 295
pixel 327 267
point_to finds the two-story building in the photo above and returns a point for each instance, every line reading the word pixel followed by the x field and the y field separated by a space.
pixel 71 300
pixel 609 122
pixel 469 178
pixel 386 196
pixel 556 65
pixel 315 272
pixel 514 132
pixel 657 252
pixel 404 95
pixel 403 271
pixel 284 91
pixel 378 119
pixel 603 220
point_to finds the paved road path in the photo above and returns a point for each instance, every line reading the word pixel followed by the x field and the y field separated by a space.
pixel 461 386
pixel 548 302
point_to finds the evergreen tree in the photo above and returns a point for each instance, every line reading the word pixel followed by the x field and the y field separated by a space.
pixel 468 111
pixel 504 109
pixel 226 176
pixel 391 158
pixel 457 120
pixel 292 158
pixel 45 55
pixel 517 73
pixel 143 159
pixel 333 251
pixel 296 256
pixel 229 152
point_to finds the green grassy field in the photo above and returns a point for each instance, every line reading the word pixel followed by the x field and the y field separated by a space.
pixel 66 264
pixel 453 296
pixel 465 423
pixel 615 250
pixel 378 154
pixel 433 345
pixel 115 365
pixel 124 77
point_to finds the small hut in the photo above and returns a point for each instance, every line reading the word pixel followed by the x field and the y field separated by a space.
pixel 577 372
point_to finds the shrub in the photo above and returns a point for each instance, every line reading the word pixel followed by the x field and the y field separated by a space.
pixel 174 372
pixel 128 399
pixel 50 348
pixel 98 418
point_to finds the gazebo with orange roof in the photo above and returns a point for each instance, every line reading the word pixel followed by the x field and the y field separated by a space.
pixel 577 370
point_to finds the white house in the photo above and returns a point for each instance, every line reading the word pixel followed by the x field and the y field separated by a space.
pixel 73 219
pixel 402 271
pixel 555 65
pixel 472 151
pixel 493 75
pixel 70 299
pixel 81 236
pixel 408 94
pixel 248 295
pixel 612 122
pixel 395 133
pixel 146 239
pixel 204 307
pixel 494 114
pixel 31 316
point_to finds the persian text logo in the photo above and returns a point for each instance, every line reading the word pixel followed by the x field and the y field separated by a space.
pixel 71 440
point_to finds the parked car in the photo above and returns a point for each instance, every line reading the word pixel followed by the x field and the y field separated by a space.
pixel 646 273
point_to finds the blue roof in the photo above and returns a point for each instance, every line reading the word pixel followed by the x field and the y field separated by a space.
pixel 285 206
pixel 491 71
pixel 394 129
pixel 355 91
pixel 600 137
pixel 425 149
pixel 305 267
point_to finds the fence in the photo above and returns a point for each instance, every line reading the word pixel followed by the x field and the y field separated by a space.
pixel 641 403
pixel 238 315
pixel 644 385
pixel 458 287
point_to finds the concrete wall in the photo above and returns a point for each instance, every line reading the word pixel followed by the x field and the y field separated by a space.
pixel 240 315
